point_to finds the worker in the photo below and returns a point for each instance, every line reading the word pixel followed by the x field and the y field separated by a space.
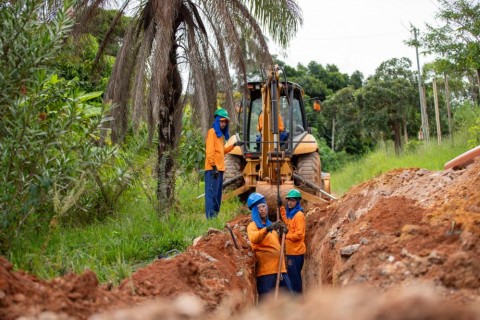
pixel 295 239
pixel 264 239
pixel 281 129
pixel 215 151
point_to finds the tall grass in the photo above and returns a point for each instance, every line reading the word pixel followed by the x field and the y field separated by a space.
pixel 133 237
pixel 431 156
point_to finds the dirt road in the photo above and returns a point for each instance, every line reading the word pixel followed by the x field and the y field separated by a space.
pixel 405 245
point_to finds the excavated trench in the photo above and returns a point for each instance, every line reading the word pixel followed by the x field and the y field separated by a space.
pixel 405 245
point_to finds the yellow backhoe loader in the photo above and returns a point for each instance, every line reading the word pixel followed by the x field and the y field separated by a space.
pixel 275 158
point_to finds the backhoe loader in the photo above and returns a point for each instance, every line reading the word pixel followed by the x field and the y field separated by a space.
pixel 272 161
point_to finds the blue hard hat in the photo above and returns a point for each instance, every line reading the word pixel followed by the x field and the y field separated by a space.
pixel 253 199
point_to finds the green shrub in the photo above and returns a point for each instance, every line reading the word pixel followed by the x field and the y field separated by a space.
pixel 49 129
pixel 412 146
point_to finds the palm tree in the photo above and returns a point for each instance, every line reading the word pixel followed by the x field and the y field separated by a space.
pixel 201 38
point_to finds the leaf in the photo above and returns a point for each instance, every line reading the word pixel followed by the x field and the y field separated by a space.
pixel 89 96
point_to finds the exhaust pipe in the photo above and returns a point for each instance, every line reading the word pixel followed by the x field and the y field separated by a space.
pixel 301 180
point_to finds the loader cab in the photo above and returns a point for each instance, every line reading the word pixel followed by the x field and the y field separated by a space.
pixel 293 116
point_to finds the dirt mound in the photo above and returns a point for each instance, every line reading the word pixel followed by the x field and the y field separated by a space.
pixel 213 270
pixel 405 227
pixel 405 245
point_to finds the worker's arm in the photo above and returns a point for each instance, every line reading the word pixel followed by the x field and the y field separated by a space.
pixel 260 122
pixel 210 147
pixel 228 149
pixel 256 235
pixel 281 126
pixel 283 213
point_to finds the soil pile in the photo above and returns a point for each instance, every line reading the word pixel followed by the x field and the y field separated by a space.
pixel 213 270
pixel 405 245
pixel 404 228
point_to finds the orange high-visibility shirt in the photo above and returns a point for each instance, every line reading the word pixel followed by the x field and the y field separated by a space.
pixel 215 151
pixel 295 239
pixel 266 246
pixel 281 126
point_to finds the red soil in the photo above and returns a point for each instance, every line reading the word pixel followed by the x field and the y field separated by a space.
pixel 405 245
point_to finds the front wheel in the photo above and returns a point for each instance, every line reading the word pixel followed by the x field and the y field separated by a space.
pixel 233 167
pixel 310 168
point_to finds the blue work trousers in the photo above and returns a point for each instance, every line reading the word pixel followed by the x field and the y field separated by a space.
pixel 294 270
pixel 267 283
pixel 213 193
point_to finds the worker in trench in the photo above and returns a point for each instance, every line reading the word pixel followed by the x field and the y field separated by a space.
pixel 215 151
pixel 294 218
pixel 265 242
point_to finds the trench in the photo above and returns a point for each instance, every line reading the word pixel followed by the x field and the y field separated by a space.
pixel 414 226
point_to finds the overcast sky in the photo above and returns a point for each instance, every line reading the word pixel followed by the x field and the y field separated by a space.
pixel 357 34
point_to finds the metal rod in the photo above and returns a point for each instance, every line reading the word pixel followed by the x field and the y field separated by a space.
pixel 230 181
pixel 302 180
pixel 280 260
pixel 233 236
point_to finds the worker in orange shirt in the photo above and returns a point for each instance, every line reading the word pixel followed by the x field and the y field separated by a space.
pixel 264 239
pixel 281 129
pixel 294 218
pixel 215 151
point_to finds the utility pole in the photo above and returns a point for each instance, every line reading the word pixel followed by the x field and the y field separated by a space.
pixel 422 107
pixel 437 113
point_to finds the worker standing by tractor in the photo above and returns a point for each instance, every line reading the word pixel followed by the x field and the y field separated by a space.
pixel 215 151
pixel 264 238
pixel 294 218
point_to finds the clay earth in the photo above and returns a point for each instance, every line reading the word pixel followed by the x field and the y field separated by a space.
pixel 405 245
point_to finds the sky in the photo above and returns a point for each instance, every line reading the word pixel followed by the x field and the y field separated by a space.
pixel 357 34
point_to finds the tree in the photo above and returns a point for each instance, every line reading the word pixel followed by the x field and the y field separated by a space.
pixel 203 38
pixel 346 114
pixel 386 98
pixel 356 79
pixel 457 40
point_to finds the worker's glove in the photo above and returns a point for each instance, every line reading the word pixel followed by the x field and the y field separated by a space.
pixel 282 229
pixel 238 143
pixel 274 226
pixel 215 172
pixel 279 202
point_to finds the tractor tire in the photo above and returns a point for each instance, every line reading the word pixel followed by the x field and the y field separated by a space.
pixel 310 168
pixel 233 167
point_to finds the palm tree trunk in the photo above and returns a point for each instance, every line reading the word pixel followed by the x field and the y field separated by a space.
pixel 166 133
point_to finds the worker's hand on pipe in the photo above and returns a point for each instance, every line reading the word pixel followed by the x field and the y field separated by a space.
pixel 215 172
pixel 274 226
pixel 282 228
pixel 238 143
pixel 279 202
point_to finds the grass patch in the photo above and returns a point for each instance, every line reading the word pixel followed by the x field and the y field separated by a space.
pixel 115 247
pixel 431 156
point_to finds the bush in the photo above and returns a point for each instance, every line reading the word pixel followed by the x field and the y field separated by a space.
pixel 412 146
pixel 49 129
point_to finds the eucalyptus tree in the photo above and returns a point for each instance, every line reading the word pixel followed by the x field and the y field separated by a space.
pixel 202 38
pixel 347 130
pixel 387 98
pixel 457 38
